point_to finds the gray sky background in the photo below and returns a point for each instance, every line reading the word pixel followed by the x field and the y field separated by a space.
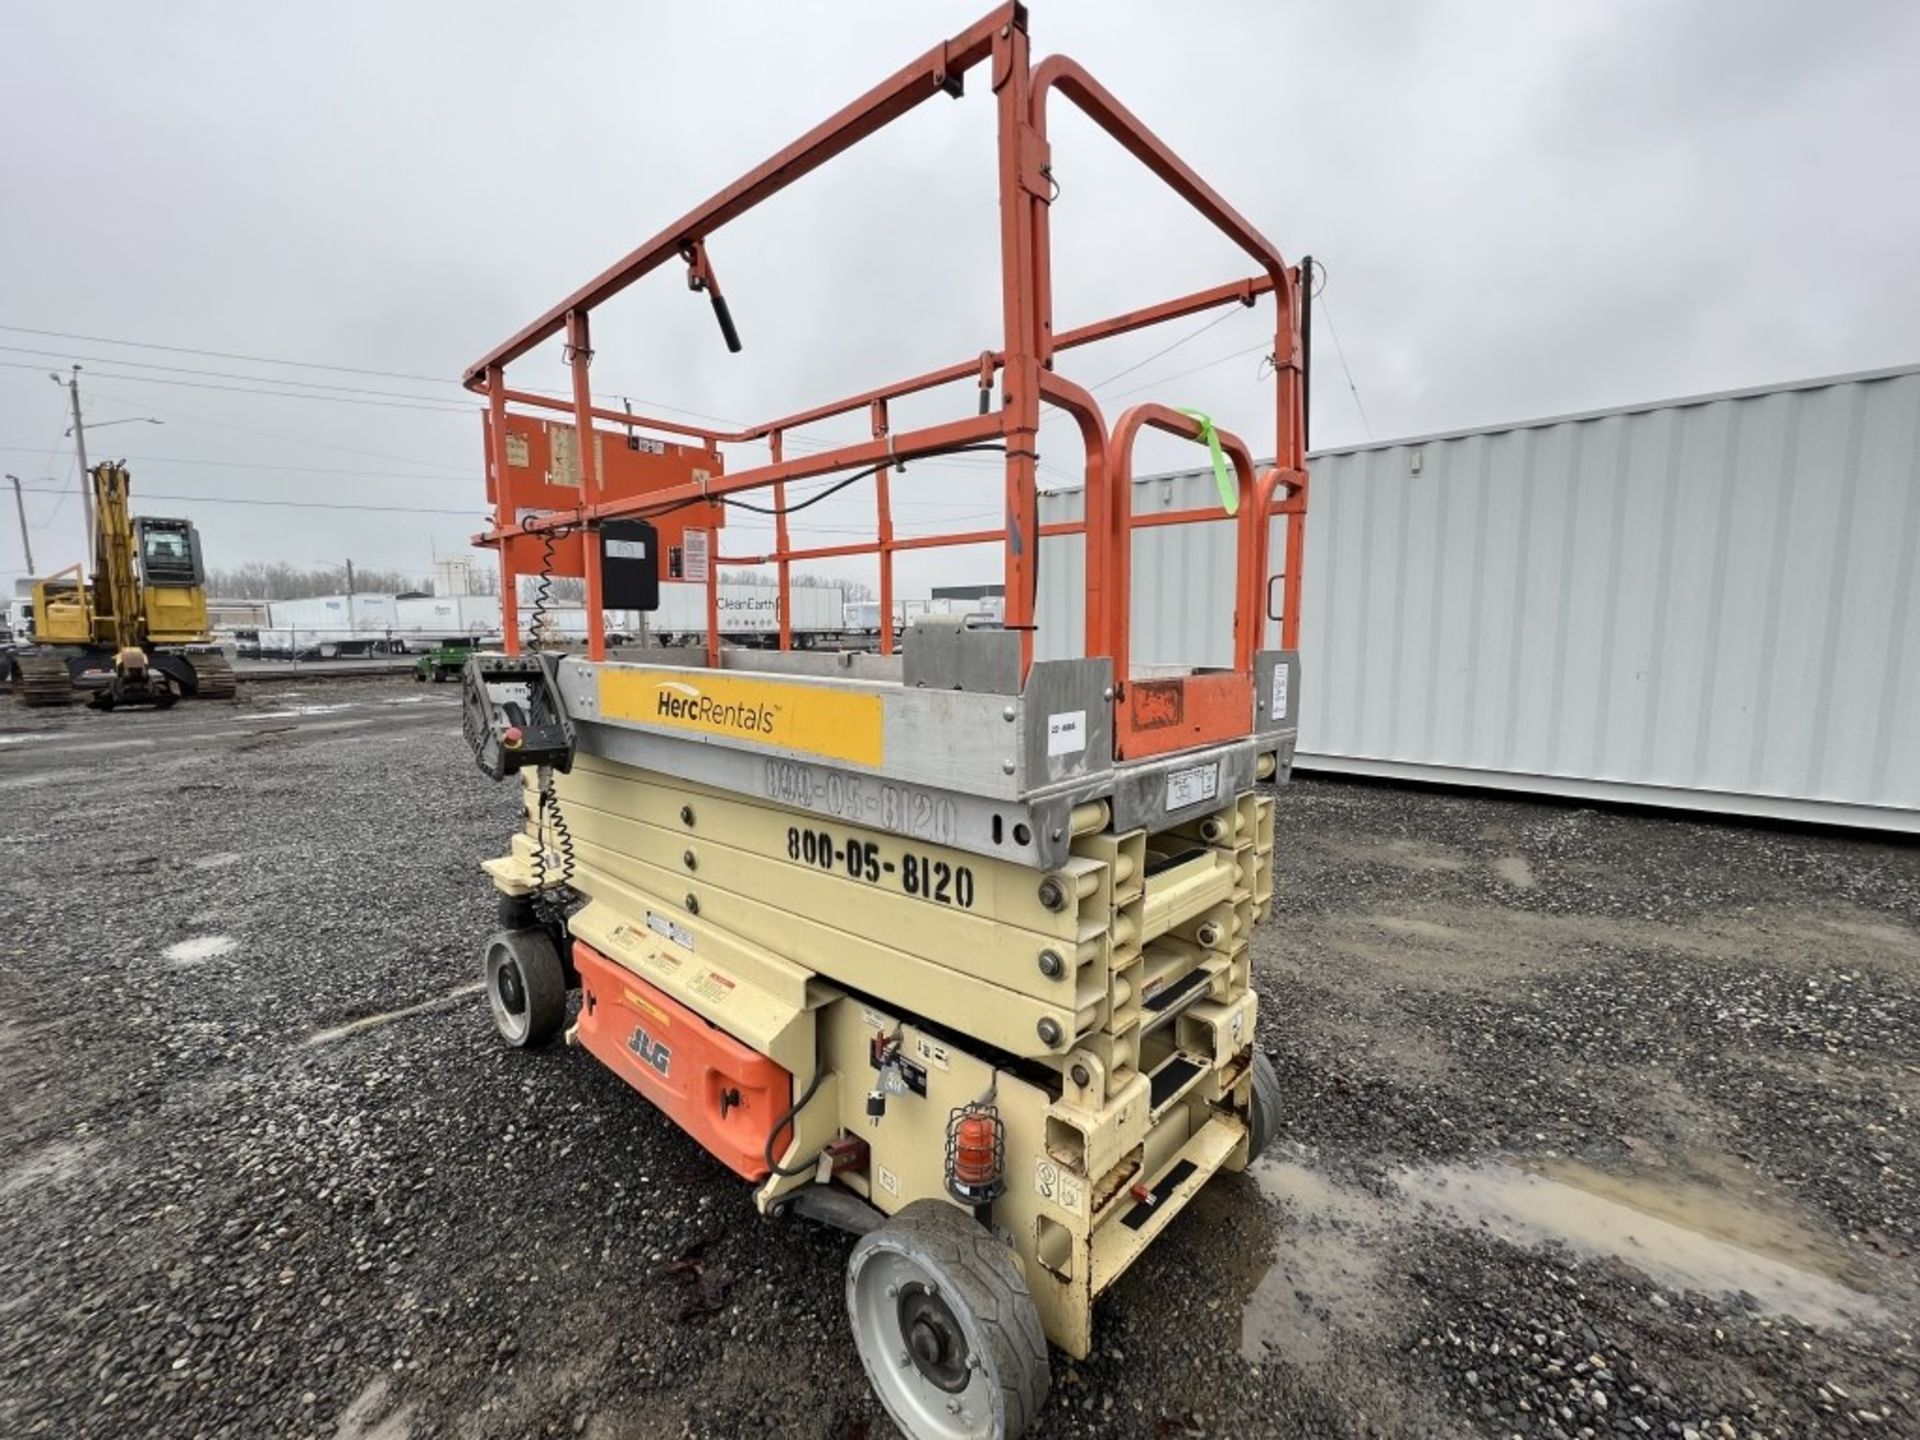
pixel 1525 209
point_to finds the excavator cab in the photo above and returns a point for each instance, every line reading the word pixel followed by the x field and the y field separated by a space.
pixel 172 579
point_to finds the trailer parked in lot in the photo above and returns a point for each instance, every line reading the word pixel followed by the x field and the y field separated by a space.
pixel 749 614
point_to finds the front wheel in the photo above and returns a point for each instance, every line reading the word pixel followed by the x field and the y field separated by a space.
pixel 946 1326
pixel 526 987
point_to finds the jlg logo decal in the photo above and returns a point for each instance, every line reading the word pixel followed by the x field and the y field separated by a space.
pixel 651 1051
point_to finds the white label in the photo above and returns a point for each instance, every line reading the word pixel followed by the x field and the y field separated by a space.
pixel 626 549
pixel 1058 1186
pixel 1191 786
pixel 646 445
pixel 693 556
pixel 1067 732
pixel 889 1181
pixel 1279 711
pixel 666 929
pixel 932 1055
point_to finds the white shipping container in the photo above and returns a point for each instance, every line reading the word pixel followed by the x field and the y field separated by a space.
pixel 448 615
pixel 1709 602
pixel 333 612
pixel 747 610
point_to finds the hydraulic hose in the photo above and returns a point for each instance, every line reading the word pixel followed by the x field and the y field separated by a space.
pixel 787 1119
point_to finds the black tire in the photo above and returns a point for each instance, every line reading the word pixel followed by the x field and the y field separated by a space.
pixel 1263 1110
pixel 526 987
pixel 420 676
pixel 942 1316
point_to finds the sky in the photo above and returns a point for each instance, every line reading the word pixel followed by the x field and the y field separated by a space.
pixel 1523 209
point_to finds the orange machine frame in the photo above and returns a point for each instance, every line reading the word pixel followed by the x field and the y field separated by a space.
pixel 1150 716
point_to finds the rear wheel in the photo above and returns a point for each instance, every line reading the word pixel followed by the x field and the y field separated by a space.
pixel 526 987
pixel 946 1326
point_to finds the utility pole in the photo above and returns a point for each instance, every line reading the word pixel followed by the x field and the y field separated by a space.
pixel 21 506
pixel 349 597
pixel 86 476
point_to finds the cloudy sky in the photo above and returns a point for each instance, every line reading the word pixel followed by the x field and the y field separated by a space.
pixel 1524 209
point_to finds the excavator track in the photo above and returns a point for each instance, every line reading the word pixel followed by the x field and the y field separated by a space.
pixel 213 675
pixel 42 680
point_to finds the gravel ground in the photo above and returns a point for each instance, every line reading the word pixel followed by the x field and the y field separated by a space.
pixel 233 1209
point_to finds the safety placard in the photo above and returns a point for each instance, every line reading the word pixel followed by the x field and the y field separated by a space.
pixel 1192 785
pixel 814 720
pixel 694 556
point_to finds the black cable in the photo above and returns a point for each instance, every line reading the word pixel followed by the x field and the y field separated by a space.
pixel 813 499
pixel 787 1119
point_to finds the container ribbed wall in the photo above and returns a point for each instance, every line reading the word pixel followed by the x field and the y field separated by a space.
pixel 1709 602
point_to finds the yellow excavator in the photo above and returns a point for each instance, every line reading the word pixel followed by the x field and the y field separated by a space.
pixel 137 634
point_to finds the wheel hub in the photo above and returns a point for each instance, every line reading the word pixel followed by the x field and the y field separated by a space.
pixel 512 990
pixel 934 1339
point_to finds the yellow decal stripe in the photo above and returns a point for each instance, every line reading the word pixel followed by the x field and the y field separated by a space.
pixel 835 724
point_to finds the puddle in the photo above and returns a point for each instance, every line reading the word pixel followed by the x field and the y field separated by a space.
pixel 199 947
pixel 298 710
pixel 1325 1283
pixel 1686 1235
pixel 1324 1275
pixel 1515 871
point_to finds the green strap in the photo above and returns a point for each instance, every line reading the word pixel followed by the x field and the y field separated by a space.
pixel 1229 489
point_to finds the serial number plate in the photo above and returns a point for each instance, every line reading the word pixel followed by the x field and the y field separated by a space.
pixel 910 872
pixel 1192 785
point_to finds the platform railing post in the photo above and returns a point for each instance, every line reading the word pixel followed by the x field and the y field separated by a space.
pixel 1290 428
pixel 579 357
pixel 883 516
pixel 782 544
pixel 504 511
pixel 1021 410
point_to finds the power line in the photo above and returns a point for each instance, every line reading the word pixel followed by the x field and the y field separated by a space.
pixel 436 406
pixel 476 512
pixel 252 465
pixel 463 470
pixel 60 356
pixel 1190 335
pixel 1193 370
pixel 226 355
pixel 1352 388
pixel 320 365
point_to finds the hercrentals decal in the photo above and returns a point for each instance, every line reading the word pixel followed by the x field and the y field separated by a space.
pixel 814 720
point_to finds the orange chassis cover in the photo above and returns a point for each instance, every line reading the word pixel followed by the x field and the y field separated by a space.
pixel 725 1094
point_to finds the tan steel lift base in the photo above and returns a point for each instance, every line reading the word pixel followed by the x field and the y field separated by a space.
pixel 807 939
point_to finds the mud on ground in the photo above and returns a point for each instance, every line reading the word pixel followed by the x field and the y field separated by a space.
pixel 1598 1123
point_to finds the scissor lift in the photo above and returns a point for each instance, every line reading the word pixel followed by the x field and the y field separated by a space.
pixel 948 947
